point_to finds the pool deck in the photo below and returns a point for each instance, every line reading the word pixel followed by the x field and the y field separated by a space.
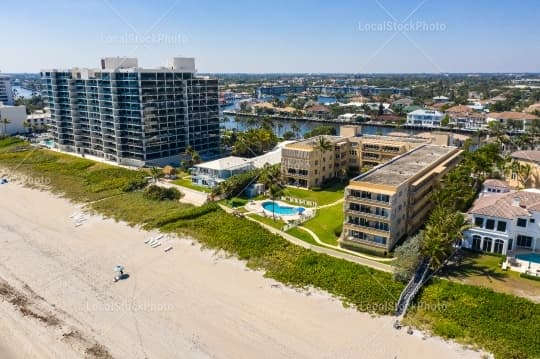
pixel 513 262
pixel 257 208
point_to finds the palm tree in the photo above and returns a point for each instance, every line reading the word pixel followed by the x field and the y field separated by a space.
pixel 444 227
pixel 275 191
pixel 5 122
pixel 323 145
pixel 26 125
pixel 156 173
pixel 295 129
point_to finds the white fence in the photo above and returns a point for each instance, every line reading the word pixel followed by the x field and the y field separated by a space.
pixel 303 202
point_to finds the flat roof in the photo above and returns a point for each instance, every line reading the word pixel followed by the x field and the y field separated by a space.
pixel 406 166
pixel 314 141
pixel 226 163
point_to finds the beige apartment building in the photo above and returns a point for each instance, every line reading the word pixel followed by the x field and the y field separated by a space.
pixel 304 164
pixel 392 200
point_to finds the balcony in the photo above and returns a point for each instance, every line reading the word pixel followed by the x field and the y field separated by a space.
pixel 368 227
pixel 368 214
pixel 367 200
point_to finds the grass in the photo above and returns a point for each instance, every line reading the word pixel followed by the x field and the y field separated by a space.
pixel 485 270
pixel 303 235
pixel 278 223
pixel 506 325
pixel 134 209
pixel 327 195
pixel 187 183
pixel 327 223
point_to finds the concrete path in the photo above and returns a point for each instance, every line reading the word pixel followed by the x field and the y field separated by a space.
pixel 191 196
pixel 331 252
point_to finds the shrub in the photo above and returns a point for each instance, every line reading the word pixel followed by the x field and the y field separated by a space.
pixel 134 184
pixel 528 276
pixel 237 202
pixel 337 230
pixel 156 193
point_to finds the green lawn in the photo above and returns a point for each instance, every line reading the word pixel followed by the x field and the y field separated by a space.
pixel 303 235
pixel 485 270
pixel 328 221
pixel 324 196
pixel 185 182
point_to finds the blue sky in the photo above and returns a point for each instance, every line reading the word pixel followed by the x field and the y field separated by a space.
pixel 275 36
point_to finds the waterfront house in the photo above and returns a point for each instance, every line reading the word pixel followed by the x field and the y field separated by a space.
pixel 518 121
pixel 464 117
pixel 424 118
pixel 504 220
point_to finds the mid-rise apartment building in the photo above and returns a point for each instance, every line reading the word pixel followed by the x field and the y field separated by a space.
pixel 306 164
pixel 133 115
pixel 6 93
pixel 392 201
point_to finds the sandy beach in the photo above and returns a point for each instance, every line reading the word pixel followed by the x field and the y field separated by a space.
pixel 59 300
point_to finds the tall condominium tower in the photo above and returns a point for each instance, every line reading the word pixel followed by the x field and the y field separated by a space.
pixel 6 94
pixel 133 115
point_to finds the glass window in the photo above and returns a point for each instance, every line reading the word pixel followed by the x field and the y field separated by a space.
pixel 479 221
pixel 490 224
pixel 501 226
pixel 524 241
pixel 522 222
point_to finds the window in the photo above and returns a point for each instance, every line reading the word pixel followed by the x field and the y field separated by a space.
pixel 490 224
pixel 522 222
pixel 524 241
pixel 501 226
pixel 531 220
pixel 479 221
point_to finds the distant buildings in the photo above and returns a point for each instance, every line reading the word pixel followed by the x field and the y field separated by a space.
pixel 305 164
pixel 464 117
pixel 6 93
pixel 133 115
pixel 392 201
pixel 278 90
pixel 504 220
pixel 424 118
pixel 514 120
pixel 16 115
pixel 39 120
pixel 441 99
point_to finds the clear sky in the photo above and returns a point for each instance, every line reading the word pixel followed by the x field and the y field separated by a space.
pixel 275 36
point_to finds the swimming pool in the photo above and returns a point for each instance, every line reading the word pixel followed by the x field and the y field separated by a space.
pixel 280 209
pixel 529 257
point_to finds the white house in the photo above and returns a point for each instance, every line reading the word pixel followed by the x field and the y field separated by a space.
pixel 424 118
pixel 16 116
pixel 212 173
pixel 504 220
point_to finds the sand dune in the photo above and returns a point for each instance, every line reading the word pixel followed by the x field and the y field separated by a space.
pixel 187 303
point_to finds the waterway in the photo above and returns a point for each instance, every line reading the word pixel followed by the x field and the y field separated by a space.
pixel 22 92
pixel 281 126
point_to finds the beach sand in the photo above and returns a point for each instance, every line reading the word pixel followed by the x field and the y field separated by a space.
pixel 187 303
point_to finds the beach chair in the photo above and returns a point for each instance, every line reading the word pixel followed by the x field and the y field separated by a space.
pixel 156 245
pixel 169 248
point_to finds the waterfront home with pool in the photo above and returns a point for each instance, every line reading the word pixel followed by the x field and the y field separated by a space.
pixel 506 222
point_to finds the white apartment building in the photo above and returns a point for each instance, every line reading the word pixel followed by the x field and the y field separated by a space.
pixel 504 220
pixel 16 115
pixel 424 118
pixel 6 94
